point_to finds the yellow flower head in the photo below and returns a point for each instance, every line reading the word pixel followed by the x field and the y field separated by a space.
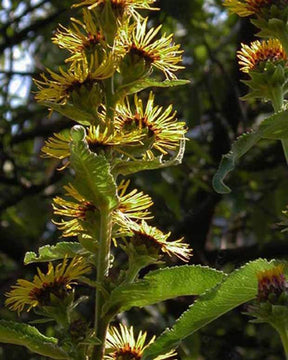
pixel 156 241
pixel 158 124
pixel 98 139
pixel 58 88
pixel 132 206
pixel 250 57
pixel 271 281
pixel 82 37
pixel 121 344
pixel 56 281
pixel 159 53
pixel 120 7
pixel 252 7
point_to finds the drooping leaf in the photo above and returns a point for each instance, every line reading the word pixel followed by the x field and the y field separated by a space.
pixel 28 336
pixel 274 127
pixel 54 252
pixel 145 83
pixel 242 144
pixel 93 177
pixel 131 167
pixel 164 284
pixel 237 288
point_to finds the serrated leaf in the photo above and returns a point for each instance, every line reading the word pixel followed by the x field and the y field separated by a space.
pixel 164 284
pixel 237 288
pixel 145 83
pixel 28 336
pixel 131 167
pixel 54 252
pixel 93 178
pixel 242 144
pixel 274 127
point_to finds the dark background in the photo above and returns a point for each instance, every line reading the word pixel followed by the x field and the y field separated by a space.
pixel 225 231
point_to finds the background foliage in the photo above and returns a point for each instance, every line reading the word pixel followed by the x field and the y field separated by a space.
pixel 225 231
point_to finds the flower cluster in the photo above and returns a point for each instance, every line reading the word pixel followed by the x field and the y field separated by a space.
pixel 112 54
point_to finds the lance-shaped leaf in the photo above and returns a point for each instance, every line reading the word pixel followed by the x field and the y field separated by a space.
pixel 164 284
pixel 237 288
pixel 72 112
pixel 55 252
pixel 141 84
pixel 131 167
pixel 93 177
pixel 275 127
pixel 28 336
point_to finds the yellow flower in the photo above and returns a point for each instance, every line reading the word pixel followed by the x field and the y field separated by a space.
pixel 57 281
pixel 58 146
pixel 120 7
pixel 158 124
pixel 121 344
pixel 159 53
pixel 98 139
pixel 270 282
pixel 132 206
pixel 82 37
pixel 154 240
pixel 248 7
pixel 58 88
pixel 260 52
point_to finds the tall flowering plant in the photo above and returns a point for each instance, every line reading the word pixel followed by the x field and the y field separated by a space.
pixel 114 54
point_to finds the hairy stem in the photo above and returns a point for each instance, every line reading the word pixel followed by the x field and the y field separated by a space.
pixel 283 38
pixel 277 98
pixel 103 263
pixel 110 106
pixel 283 332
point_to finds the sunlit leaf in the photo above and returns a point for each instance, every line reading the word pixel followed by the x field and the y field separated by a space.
pixel 54 252
pixel 93 177
pixel 145 83
pixel 237 288
pixel 31 338
pixel 134 166
pixel 164 284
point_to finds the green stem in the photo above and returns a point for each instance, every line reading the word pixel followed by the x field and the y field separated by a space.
pixel 103 262
pixel 277 99
pixel 284 338
pixel 283 38
pixel 110 106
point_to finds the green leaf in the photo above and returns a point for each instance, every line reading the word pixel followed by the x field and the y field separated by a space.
pixel 54 252
pixel 72 112
pixel 28 336
pixel 274 127
pixel 141 84
pixel 93 178
pixel 237 288
pixel 131 167
pixel 164 284
pixel 227 164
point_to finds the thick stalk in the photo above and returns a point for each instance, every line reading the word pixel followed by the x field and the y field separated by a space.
pixel 283 38
pixel 277 102
pixel 103 263
pixel 284 338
